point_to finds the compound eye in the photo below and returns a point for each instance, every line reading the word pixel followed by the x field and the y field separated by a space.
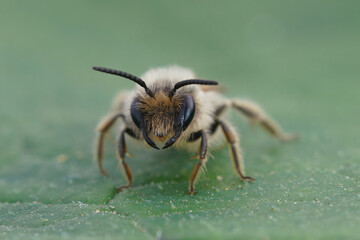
pixel 136 114
pixel 189 110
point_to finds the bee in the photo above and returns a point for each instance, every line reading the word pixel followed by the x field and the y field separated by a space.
pixel 171 107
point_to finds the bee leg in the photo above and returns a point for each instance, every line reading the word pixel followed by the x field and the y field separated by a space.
pixel 232 138
pixel 102 128
pixel 122 150
pixel 258 116
pixel 201 163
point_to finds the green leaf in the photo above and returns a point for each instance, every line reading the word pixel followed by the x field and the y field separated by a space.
pixel 299 60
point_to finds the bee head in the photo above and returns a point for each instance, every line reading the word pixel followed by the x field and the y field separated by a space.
pixel 162 119
pixel 161 115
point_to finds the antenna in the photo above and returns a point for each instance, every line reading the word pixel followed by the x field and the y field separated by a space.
pixel 125 75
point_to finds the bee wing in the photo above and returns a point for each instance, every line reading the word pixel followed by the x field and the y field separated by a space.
pixel 209 88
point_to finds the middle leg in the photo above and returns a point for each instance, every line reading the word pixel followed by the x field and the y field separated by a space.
pixel 232 139
pixel 102 129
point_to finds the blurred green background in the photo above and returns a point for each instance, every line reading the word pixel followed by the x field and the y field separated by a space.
pixel 298 59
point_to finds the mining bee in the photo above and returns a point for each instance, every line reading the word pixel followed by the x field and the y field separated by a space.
pixel 171 107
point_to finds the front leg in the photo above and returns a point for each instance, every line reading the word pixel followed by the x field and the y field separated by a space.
pixel 122 150
pixel 201 163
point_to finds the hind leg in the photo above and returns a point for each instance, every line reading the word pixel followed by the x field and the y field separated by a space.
pixel 258 116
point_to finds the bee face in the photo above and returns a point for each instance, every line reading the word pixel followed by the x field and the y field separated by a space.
pixel 162 118
pixel 162 111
